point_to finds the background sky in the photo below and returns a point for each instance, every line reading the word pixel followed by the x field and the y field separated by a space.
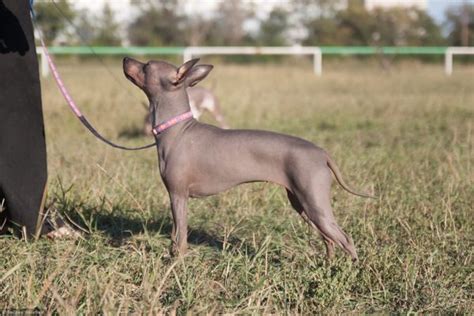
pixel 436 8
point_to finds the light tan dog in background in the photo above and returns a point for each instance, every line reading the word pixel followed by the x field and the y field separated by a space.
pixel 200 100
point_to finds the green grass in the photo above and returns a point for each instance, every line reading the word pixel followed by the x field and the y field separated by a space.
pixel 405 135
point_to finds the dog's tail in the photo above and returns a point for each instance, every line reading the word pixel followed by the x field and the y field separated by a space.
pixel 337 173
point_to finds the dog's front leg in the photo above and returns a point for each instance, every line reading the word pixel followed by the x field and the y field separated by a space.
pixel 179 234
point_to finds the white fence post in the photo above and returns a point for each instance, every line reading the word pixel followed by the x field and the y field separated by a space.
pixel 318 62
pixel 449 54
pixel 187 54
pixel 43 62
pixel 448 62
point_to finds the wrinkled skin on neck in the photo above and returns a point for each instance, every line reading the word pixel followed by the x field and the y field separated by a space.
pixel 166 106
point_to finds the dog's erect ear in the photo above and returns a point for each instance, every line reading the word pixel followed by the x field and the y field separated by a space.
pixel 184 69
pixel 197 73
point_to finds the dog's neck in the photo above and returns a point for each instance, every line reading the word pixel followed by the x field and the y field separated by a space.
pixel 163 108
pixel 168 105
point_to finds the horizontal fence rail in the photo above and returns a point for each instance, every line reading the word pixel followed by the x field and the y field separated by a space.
pixel 114 50
pixel 316 51
pixel 189 52
pixel 388 50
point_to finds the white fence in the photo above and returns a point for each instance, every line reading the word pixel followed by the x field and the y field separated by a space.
pixel 316 52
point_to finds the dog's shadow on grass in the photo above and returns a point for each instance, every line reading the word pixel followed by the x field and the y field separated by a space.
pixel 121 228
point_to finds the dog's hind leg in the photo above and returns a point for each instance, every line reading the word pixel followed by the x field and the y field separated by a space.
pixel 300 210
pixel 315 199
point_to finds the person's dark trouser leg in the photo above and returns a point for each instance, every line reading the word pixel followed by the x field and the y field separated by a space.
pixel 23 171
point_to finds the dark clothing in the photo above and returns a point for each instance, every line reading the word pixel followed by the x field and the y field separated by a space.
pixel 23 170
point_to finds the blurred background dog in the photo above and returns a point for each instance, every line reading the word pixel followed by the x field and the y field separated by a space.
pixel 200 100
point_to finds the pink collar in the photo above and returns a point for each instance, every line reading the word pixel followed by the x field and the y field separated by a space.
pixel 160 128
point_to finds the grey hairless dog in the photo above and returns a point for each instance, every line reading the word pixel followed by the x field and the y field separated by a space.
pixel 197 159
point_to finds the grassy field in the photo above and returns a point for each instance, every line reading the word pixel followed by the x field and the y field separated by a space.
pixel 406 135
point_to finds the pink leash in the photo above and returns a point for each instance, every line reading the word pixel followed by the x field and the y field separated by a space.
pixel 59 82
pixel 156 130
pixel 74 107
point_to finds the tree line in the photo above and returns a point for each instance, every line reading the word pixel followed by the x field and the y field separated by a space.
pixel 235 22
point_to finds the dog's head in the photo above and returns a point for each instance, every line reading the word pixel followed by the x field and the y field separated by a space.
pixel 156 77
